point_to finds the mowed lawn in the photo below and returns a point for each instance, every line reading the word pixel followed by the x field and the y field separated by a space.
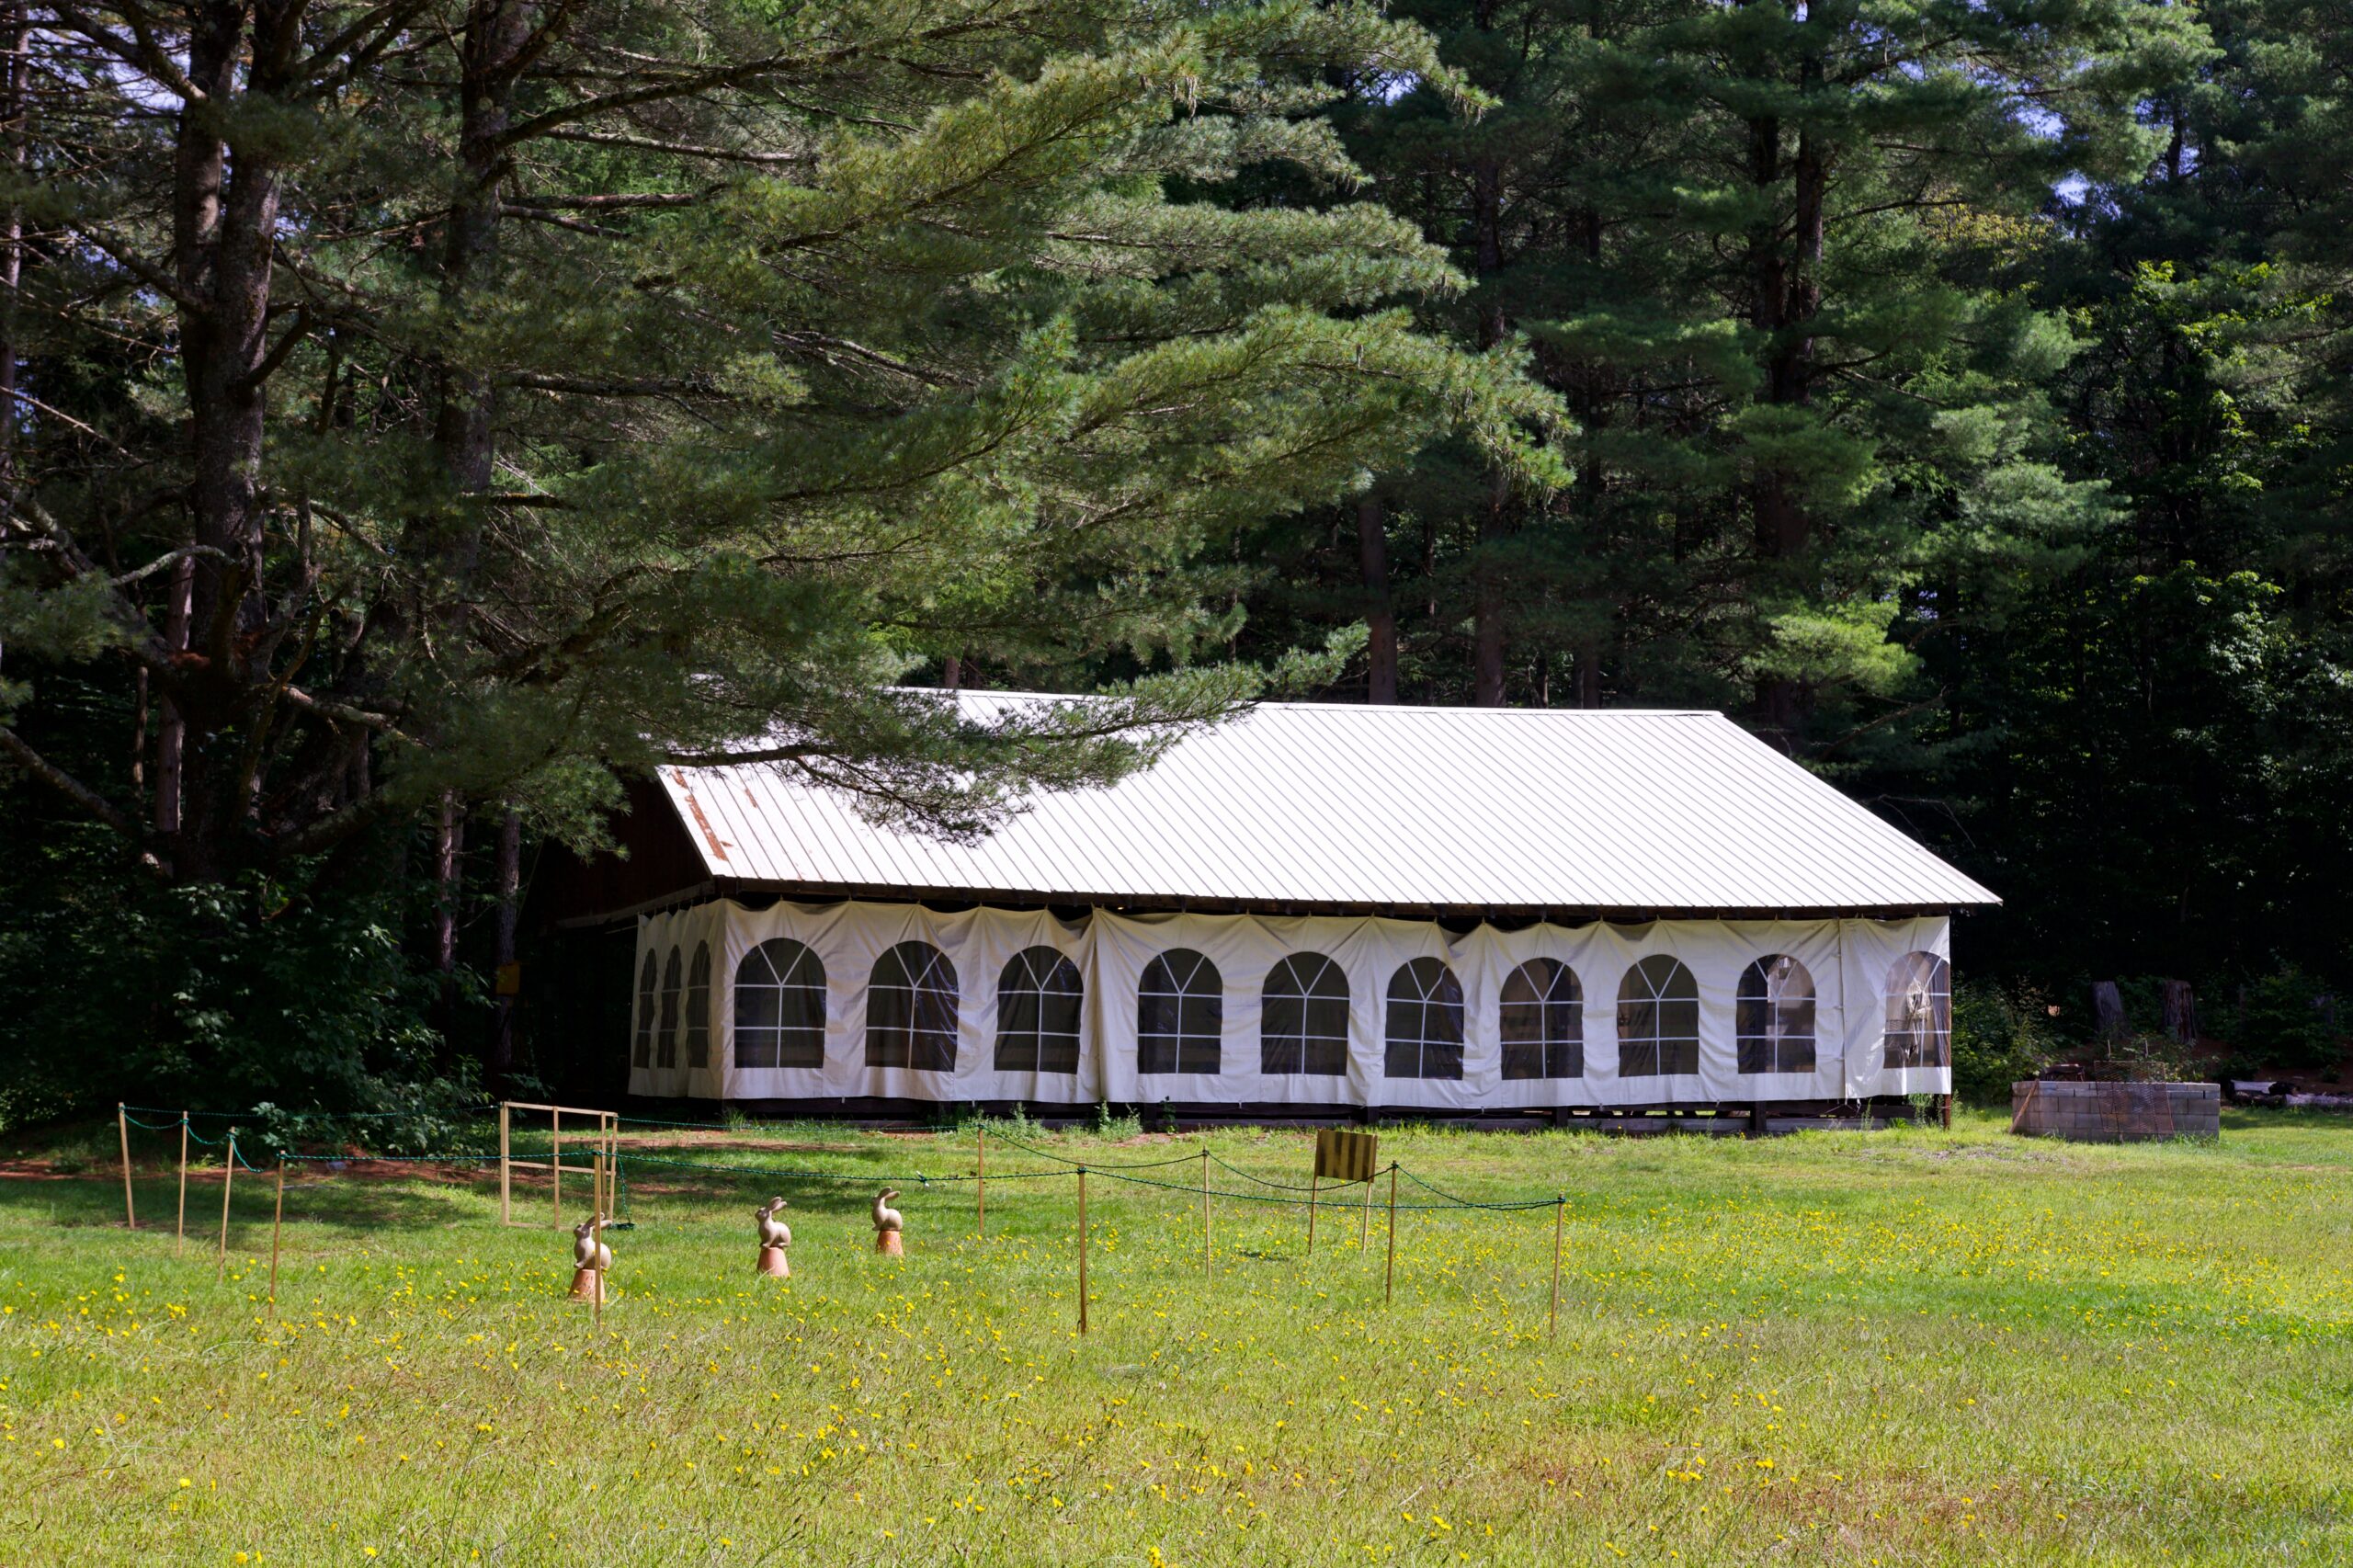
pixel 1907 1346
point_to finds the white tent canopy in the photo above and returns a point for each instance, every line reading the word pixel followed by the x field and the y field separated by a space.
pixel 1663 909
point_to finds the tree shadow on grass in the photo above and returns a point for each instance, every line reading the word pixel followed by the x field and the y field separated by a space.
pixel 354 1206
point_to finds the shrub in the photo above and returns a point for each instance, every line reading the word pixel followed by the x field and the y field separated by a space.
pixel 1999 1037
pixel 2283 1022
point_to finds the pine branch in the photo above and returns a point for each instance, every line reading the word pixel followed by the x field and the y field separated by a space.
pixel 675 148
pixel 64 783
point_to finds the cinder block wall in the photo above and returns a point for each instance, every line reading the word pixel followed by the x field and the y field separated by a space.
pixel 2115 1113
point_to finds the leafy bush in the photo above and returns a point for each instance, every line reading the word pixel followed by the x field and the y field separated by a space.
pixel 2283 1022
pixel 1998 1037
pixel 215 995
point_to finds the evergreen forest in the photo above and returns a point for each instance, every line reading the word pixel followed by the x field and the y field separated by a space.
pixel 420 418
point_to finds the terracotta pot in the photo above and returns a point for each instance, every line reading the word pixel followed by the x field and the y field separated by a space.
pixel 773 1264
pixel 587 1283
pixel 887 1243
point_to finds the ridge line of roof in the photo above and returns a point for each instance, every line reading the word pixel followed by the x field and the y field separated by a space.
pixel 1366 707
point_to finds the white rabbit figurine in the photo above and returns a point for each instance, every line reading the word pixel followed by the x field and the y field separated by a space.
pixel 888 1222
pixel 775 1236
pixel 588 1248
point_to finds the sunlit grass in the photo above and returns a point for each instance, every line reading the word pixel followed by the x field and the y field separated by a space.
pixel 1899 1348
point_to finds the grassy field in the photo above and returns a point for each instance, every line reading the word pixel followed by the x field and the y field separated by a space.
pixel 1899 1347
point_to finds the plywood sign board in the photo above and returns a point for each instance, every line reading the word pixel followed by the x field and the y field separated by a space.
pixel 1342 1155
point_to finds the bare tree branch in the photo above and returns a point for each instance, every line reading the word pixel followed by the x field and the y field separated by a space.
pixel 64 783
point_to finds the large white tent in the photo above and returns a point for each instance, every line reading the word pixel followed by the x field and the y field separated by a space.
pixel 1320 905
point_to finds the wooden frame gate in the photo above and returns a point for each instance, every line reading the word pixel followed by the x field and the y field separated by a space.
pixel 604 1144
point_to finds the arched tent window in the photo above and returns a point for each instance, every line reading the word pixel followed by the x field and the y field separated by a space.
pixel 666 1044
pixel 1920 1012
pixel 1181 1013
pixel 1425 1023
pixel 1303 1019
pixel 1037 1013
pixel 645 983
pixel 911 1010
pixel 1542 1020
pixel 1773 1023
pixel 1658 1019
pixel 780 1006
pixel 699 1008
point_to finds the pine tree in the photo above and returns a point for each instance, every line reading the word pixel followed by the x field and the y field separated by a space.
pixel 1771 255
pixel 592 385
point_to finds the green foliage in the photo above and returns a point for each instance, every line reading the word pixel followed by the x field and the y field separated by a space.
pixel 2000 1036
pixel 219 995
pixel 2283 1019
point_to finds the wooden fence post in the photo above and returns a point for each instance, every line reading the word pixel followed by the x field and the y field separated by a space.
pixel 556 1166
pixel 1205 1210
pixel 1313 1183
pixel 180 1246
pixel 1559 1207
pixel 1082 1249
pixel 228 1178
pixel 122 1127
pixel 1389 1281
pixel 981 1178
pixel 1364 1217
pixel 505 1171
pixel 276 1221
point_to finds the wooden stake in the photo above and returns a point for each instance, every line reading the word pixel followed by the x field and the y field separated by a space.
pixel 555 1162
pixel 1311 1183
pixel 505 1170
pixel 122 1126
pixel 981 1178
pixel 1205 1209
pixel 600 1254
pixel 1082 1249
pixel 276 1221
pixel 1559 1207
pixel 1364 1217
pixel 180 1246
pixel 1389 1282
pixel 228 1178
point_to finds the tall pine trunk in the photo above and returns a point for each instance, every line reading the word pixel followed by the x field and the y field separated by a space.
pixel 225 235
pixel 1787 297
pixel 509 881
pixel 1489 597
pixel 1379 613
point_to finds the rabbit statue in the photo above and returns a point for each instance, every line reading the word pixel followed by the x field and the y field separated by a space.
pixel 888 1223
pixel 775 1236
pixel 590 1258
